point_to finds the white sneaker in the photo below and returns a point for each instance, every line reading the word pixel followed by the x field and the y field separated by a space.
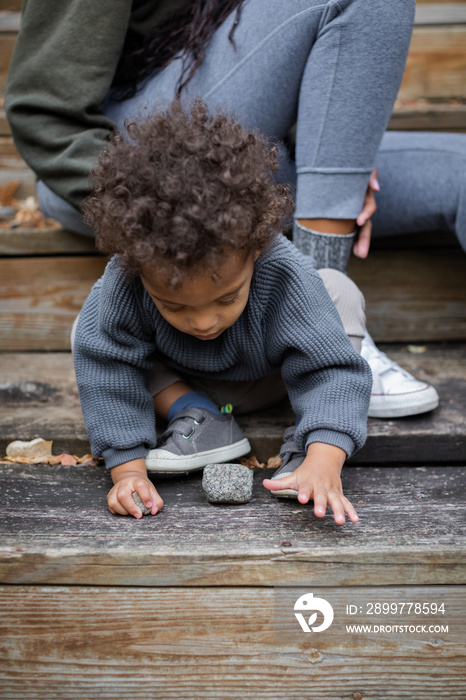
pixel 395 392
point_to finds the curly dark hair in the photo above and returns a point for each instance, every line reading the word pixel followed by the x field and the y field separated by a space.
pixel 184 33
pixel 184 190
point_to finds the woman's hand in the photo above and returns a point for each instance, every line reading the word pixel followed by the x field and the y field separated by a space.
pixel 318 478
pixel 363 240
pixel 128 478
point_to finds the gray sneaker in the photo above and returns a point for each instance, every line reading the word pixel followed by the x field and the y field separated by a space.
pixel 194 438
pixel 291 458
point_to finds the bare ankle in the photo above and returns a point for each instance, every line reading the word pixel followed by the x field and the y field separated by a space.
pixel 329 225
pixel 164 400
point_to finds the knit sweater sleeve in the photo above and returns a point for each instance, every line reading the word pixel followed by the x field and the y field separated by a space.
pixel 328 382
pixel 63 64
pixel 111 352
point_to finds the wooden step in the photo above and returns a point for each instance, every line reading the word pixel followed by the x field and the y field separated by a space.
pixel 39 398
pixel 198 601
pixel 205 643
pixel 410 295
pixel 55 529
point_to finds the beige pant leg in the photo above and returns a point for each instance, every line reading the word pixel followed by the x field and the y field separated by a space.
pixel 349 303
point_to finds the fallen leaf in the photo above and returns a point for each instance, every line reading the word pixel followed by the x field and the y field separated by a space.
pixel 39 451
pixel 27 214
pixel 252 462
pixel 66 460
pixel 7 191
pixel 85 459
pixel 416 349
pixel 34 452
pixel 274 462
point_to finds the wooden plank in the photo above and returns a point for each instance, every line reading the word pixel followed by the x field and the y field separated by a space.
pixel 429 116
pixel 98 643
pixel 42 297
pixel 55 528
pixel 16 5
pixel 7 44
pixel 9 21
pixel 410 296
pixel 39 397
pixel 413 295
pixel 42 242
pixel 4 125
pixel 9 156
pixel 439 13
pixel 436 65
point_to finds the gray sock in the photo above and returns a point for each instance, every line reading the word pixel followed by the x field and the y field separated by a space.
pixel 328 249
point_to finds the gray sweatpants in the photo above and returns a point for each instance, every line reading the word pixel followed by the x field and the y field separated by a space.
pixel 246 396
pixel 334 67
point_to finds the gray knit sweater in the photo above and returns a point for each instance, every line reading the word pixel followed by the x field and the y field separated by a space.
pixel 289 322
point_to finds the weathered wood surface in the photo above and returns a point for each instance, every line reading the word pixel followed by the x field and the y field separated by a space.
pixel 431 116
pixel 413 295
pixel 439 13
pixel 436 63
pixel 97 643
pixel 33 241
pixel 55 529
pixel 39 398
pixel 30 242
pixel 42 297
pixel 410 296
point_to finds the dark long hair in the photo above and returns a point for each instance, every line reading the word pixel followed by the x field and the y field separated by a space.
pixel 185 32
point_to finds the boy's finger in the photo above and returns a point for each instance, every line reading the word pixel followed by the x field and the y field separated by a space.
pixel 157 501
pixel 116 508
pixel 148 495
pixel 126 501
pixel 304 492
pixel 286 482
pixel 335 501
pixel 350 509
pixel 320 502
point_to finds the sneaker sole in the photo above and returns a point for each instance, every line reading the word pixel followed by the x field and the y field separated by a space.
pixel 286 493
pixel 198 460
pixel 401 405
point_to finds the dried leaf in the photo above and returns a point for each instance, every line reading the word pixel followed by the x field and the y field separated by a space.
pixel 34 452
pixel 85 459
pixel 274 462
pixel 67 460
pixel 7 191
pixel 252 462
pixel 28 214
pixel 39 451
pixel 416 349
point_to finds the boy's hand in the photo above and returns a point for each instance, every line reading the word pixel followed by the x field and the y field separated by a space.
pixel 318 478
pixel 127 478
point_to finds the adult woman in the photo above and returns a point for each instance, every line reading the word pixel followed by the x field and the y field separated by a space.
pixel 332 66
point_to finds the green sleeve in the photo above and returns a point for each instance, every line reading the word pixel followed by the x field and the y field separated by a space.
pixel 62 67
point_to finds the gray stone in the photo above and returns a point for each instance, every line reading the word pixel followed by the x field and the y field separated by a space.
pixel 227 483
pixel 140 504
